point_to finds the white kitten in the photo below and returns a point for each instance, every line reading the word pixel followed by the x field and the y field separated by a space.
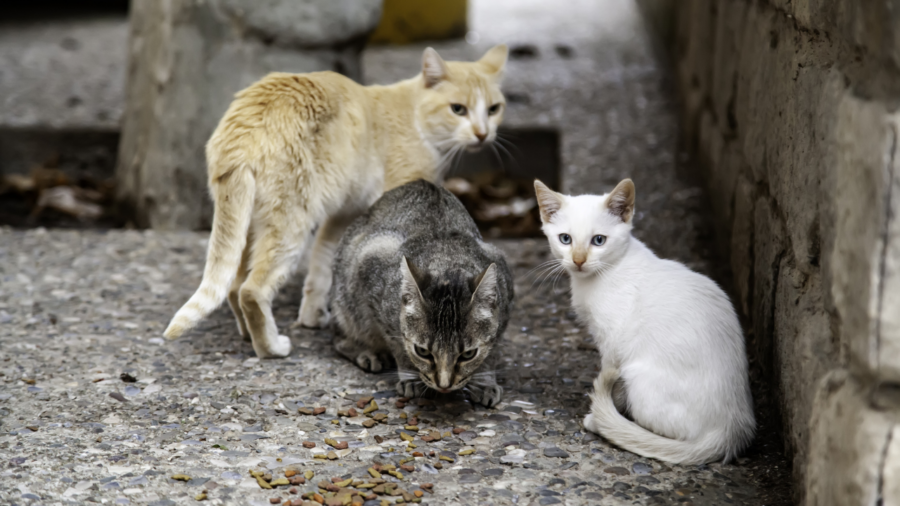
pixel 672 351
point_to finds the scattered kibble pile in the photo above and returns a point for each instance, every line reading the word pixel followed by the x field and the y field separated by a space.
pixel 343 491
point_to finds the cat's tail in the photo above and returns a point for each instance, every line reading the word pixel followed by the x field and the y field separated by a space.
pixel 606 420
pixel 233 194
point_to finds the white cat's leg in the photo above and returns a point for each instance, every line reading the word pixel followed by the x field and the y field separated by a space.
pixel 314 306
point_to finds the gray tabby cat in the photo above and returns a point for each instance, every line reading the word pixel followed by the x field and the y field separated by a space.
pixel 415 284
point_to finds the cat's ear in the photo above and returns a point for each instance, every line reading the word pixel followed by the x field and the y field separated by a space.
pixel 548 200
pixel 434 69
pixel 484 298
pixel 494 61
pixel 621 201
pixel 410 295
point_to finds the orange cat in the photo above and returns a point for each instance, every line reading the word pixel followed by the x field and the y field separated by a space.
pixel 300 151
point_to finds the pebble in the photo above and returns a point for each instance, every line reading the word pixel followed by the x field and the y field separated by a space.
pixel 554 451
pixel 641 468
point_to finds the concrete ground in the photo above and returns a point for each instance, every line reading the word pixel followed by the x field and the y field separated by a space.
pixel 96 407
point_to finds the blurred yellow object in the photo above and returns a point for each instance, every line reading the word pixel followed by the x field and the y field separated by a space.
pixel 405 21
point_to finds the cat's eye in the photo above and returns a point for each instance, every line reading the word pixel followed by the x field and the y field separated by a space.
pixel 598 240
pixel 458 109
pixel 423 352
pixel 565 238
pixel 494 109
pixel 468 355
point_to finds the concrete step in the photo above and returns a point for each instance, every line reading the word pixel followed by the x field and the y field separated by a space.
pixel 62 91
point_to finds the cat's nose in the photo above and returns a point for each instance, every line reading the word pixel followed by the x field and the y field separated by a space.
pixel 578 261
pixel 481 136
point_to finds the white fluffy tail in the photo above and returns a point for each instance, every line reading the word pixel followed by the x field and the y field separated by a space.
pixel 233 194
pixel 606 420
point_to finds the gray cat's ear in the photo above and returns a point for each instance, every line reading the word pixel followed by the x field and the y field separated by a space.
pixel 410 295
pixel 494 61
pixel 484 299
pixel 434 69
pixel 548 200
pixel 621 201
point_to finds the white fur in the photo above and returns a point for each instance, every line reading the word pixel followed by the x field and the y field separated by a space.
pixel 671 334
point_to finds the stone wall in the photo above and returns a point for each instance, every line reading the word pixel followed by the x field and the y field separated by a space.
pixel 791 108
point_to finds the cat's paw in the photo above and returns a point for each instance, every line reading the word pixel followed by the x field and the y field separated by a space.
pixel 407 388
pixel 314 312
pixel 488 396
pixel 369 362
pixel 589 423
pixel 279 347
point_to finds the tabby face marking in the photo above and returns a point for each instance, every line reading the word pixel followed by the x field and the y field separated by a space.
pixel 448 325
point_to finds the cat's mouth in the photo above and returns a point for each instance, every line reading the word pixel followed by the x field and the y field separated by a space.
pixel 476 146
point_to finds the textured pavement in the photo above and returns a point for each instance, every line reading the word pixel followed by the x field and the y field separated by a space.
pixel 95 407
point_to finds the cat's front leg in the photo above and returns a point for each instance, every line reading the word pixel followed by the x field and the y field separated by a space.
pixel 368 359
pixel 488 395
pixel 409 388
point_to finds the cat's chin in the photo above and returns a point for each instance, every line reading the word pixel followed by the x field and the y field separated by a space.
pixel 582 274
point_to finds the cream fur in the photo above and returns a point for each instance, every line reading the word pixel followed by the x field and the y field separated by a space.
pixel 299 151
pixel 669 337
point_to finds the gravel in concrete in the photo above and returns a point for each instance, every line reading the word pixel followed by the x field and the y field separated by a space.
pixel 96 407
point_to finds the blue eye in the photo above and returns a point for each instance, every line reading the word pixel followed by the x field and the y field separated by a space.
pixel 565 238
pixel 598 240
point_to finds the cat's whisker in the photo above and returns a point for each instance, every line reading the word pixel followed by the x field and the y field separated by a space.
pixel 557 270
pixel 510 155
pixel 557 278
pixel 457 158
pixel 498 157
pixel 543 269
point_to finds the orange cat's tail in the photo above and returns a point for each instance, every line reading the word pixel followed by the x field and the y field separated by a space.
pixel 233 194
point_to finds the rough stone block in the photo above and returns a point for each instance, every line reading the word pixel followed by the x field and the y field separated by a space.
pixel 890 488
pixel 889 291
pixel 723 177
pixel 730 28
pixel 697 21
pixel 863 145
pixel 742 243
pixel 848 440
pixel 768 250
pixel 804 351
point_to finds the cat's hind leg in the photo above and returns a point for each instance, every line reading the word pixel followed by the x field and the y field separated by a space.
pixel 314 305
pixel 278 241
pixel 234 299
pixel 368 359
